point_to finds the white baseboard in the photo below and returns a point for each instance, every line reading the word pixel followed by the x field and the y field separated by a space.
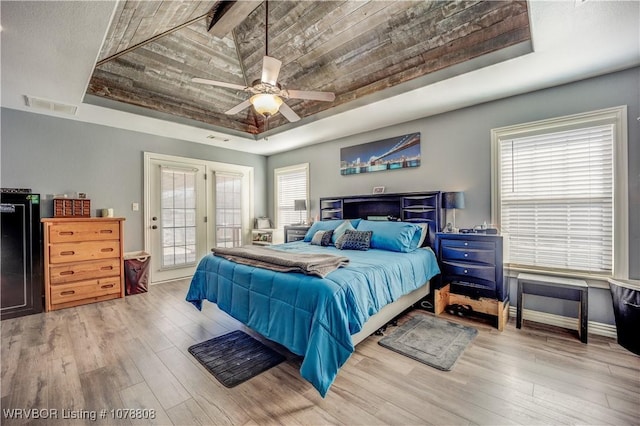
pixel 599 328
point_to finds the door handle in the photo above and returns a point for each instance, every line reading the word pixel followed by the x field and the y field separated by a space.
pixel 154 218
pixel 154 227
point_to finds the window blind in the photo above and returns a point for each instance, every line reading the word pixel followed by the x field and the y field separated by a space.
pixel 556 199
pixel 178 217
pixel 291 184
pixel 228 209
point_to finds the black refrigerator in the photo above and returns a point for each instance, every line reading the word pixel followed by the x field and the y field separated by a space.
pixel 21 285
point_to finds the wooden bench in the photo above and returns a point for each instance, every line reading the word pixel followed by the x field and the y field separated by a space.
pixel 566 288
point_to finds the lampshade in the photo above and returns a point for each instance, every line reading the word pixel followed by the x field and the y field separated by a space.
pixel 266 104
pixel 453 200
pixel 299 205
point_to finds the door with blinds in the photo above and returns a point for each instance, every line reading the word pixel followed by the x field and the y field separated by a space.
pixel 229 229
pixel 176 218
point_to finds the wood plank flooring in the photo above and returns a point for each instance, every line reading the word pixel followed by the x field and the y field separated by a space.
pixel 132 354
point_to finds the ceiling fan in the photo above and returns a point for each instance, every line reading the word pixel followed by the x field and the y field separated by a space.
pixel 267 95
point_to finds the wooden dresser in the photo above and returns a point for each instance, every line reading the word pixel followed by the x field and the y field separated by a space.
pixel 83 261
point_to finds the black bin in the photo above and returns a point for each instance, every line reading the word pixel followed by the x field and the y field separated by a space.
pixel 626 309
pixel 136 272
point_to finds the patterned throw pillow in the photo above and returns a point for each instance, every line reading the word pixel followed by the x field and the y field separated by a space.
pixel 322 238
pixel 354 240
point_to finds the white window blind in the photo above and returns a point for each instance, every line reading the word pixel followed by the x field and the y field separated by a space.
pixel 178 218
pixel 228 209
pixel 556 199
pixel 291 184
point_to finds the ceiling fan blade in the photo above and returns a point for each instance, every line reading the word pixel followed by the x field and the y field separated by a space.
pixel 270 70
pixel 310 95
pixel 236 109
pixel 218 83
pixel 288 113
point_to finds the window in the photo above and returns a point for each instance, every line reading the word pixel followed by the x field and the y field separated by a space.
pixel 228 209
pixel 291 183
pixel 178 192
pixel 560 193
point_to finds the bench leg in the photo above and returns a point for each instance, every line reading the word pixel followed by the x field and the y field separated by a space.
pixel 584 315
pixel 519 307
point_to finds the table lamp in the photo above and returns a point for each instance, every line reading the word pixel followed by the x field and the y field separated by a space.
pixel 453 201
pixel 300 205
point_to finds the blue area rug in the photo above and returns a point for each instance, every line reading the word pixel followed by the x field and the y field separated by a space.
pixel 430 340
pixel 235 357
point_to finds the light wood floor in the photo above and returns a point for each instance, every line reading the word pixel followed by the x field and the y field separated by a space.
pixel 132 353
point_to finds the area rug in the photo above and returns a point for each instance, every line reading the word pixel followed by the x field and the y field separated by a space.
pixel 430 340
pixel 235 357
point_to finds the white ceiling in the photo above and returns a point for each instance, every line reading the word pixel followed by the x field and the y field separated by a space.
pixel 49 48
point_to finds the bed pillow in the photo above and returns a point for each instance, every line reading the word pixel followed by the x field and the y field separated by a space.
pixel 393 236
pixel 322 238
pixel 354 240
pixel 324 225
pixel 327 225
pixel 344 226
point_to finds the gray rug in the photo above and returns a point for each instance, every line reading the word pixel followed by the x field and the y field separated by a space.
pixel 235 357
pixel 430 340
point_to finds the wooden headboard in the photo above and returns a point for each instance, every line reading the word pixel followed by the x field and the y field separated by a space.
pixel 415 207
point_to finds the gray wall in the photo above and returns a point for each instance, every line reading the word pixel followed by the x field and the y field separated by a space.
pixel 56 156
pixel 456 151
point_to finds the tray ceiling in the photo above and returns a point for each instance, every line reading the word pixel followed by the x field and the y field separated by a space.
pixel 360 50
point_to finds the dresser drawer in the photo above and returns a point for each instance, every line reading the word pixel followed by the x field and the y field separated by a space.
pixel 90 250
pixel 65 273
pixel 84 290
pixel 469 254
pixel 84 231
pixel 462 271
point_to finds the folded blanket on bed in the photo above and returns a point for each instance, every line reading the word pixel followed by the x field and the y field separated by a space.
pixel 263 257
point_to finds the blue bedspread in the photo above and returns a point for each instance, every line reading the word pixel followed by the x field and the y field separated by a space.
pixel 313 317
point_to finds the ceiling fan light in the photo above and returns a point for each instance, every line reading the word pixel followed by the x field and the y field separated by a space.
pixel 266 104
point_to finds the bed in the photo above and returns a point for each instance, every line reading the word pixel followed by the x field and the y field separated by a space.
pixel 323 318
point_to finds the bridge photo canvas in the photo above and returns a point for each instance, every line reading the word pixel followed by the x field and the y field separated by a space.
pixel 399 152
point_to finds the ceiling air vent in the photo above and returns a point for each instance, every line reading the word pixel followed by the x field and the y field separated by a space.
pixel 46 105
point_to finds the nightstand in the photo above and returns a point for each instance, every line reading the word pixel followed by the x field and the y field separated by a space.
pixel 471 267
pixel 295 232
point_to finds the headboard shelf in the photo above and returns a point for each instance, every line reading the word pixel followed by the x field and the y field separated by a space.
pixel 415 207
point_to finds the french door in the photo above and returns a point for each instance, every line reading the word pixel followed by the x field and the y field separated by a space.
pixel 191 206
pixel 177 218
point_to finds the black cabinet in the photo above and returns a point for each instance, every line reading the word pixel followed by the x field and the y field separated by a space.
pixel 472 273
pixel 295 233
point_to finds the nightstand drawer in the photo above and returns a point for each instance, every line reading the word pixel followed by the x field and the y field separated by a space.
pixel 470 244
pixel 462 271
pixel 469 254
pixel 295 233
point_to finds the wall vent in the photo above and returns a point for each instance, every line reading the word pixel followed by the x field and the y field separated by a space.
pixel 46 105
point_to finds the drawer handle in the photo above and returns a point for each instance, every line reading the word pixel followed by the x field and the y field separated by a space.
pixel 106 250
pixel 466 244
pixel 67 273
pixel 106 231
pixel 67 292
pixel 107 286
pixel 466 272
pixel 466 255
pixel 65 233
pixel 67 253
pixel 106 268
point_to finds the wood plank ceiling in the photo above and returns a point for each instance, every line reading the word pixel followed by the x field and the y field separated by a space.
pixel 351 48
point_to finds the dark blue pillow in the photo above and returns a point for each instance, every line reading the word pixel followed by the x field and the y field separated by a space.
pixel 354 240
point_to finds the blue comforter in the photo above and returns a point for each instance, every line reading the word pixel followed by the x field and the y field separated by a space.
pixel 313 317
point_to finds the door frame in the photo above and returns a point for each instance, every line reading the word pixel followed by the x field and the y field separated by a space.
pixel 209 168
